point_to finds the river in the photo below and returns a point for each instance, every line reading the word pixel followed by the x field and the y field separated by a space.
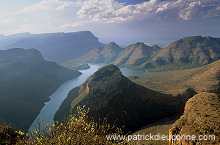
pixel 48 111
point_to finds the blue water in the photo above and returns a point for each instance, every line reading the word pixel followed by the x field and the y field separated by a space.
pixel 47 113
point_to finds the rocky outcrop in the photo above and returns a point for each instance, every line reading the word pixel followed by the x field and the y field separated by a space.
pixel 111 95
pixel 104 80
pixel 201 117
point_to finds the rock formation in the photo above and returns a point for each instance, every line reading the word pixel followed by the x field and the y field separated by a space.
pixel 111 95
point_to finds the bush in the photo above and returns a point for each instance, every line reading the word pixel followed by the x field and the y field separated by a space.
pixel 8 136
pixel 76 129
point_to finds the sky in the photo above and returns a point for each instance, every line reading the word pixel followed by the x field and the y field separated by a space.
pixel 113 20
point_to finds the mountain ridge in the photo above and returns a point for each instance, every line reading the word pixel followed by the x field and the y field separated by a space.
pixel 55 46
pixel 188 52
pixel 193 50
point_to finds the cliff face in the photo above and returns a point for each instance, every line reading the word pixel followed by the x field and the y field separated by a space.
pixel 110 95
pixel 201 117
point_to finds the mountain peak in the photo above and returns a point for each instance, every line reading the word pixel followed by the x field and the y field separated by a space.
pixel 155 47
pixel 112 45
pixel 192 38
pixel 140 44
pixel 28 56
pixel 104 78
pixel 107 70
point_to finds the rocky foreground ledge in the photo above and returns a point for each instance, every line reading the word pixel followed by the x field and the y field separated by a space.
pixel 201 118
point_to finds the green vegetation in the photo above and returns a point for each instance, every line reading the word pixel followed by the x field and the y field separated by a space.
pixel 76 129
pixel 76 65
pixel 173 66
pixel 205 78
pixel 194 50
pixel 8 136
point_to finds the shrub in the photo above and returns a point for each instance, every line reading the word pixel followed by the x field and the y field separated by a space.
pixel 76 129
pixel 8 136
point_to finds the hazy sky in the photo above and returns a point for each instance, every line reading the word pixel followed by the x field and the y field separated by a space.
pixel 111 20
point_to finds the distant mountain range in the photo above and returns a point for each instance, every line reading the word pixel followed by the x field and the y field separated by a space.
pixel 136 54
pixel 53 46
pixel 26 82
pixel 194 50
pixel 189 51
pixel 162 44
pixel 111 95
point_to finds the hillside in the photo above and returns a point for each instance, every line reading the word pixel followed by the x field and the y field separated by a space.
pixel 26 82
pixel 201 117
pixel 188 52
pixel 132 56
pixel 193 50
pixel 136 54
pixel 106 54
pixel 55 46
pixel 202 79
pixel 6 40
pixel 110 95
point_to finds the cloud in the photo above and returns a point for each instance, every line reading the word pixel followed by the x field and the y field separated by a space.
pixel 110 11
pixel 43 16
pixel 74 15
pixel 75 24
pixel 50 8
pixel 6 18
